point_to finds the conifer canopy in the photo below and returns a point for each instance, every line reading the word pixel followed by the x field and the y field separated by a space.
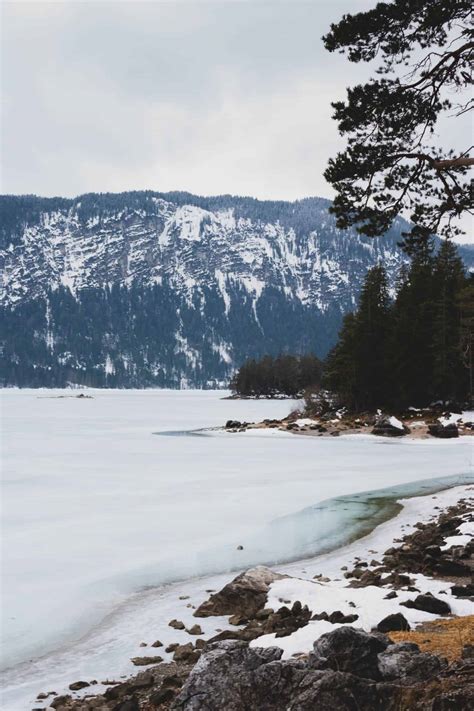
pixel 392 164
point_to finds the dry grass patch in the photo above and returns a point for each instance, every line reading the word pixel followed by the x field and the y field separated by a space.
pixel 445 637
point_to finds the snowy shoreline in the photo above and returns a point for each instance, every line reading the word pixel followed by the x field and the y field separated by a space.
pixel 148 614
pixel 369 602
pixel 414 424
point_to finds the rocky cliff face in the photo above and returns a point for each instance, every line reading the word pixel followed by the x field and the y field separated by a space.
pixel 173 289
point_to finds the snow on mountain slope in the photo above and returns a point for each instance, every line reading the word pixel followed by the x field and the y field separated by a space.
pixel 241 276
pixel 190 246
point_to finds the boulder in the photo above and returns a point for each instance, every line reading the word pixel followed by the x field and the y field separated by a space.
pixel 397 580
pixel 443 431
pixel 234 677
pixel 349 650
pixel 389 427
pixel 405 661
pixel 141 681
pixel 285 621
pixel 244 596
pixel 194 630
pixel 368 577
pixel 246 635
pixel 176 624
pixel 453 568
pixel 338 617
pixel 232 424
pixel 186 653
pixel 77 685
pixel 428 603
pixel 463 590
pixel 321 616
pixel 393 623
pixel 144 661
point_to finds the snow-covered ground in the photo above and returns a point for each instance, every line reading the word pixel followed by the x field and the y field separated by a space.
pixel 96 509
pixel 370 602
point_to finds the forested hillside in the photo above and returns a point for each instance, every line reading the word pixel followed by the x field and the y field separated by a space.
pixel 174 290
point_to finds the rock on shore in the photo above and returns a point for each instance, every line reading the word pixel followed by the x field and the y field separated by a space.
pixel 243 596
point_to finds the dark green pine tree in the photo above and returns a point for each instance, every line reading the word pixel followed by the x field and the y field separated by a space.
pixel 372 328
pixel 410 344
pixel 466 335
pixel 340 374
pixel 415 351
pixel 449 280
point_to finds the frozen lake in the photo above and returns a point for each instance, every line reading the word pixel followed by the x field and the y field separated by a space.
pixel 96 507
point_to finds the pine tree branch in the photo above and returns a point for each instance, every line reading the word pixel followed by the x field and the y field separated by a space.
pixel 439 165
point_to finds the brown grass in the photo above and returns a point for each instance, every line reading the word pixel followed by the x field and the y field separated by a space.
pixel 445 637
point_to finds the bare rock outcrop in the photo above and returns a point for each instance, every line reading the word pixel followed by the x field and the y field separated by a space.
pixel 349 669
pixel 245 595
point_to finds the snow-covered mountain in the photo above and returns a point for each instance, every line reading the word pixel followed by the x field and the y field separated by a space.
pixel 171 289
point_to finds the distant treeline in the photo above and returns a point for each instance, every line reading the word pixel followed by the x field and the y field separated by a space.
pixel 412 349
pixel 398 350
pixel 284 375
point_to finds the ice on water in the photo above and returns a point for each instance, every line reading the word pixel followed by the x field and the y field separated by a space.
pixel 96 506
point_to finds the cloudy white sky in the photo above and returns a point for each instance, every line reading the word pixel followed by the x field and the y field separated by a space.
pixel 209 97
pixel 222 96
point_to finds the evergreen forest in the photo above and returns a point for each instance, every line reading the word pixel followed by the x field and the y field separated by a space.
pixel 397 350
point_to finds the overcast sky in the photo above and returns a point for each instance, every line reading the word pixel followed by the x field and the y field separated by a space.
pixel 211 97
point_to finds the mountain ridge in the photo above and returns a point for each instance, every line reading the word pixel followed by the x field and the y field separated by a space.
pixel 220 279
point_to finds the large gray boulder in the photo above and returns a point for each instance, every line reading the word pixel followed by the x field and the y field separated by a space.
pixel 245 595
pixel 393 623
pixel 350 650
pixel 428 603
pixel 235 678
pixel 443 431
pixel 386 426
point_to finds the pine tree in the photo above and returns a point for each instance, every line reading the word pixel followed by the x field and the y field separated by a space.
pixel 372 327
pixel 448 277
pixel 411 349
pixel 340 373
pixel 391 164
pixel 466 333
pixel 416 350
